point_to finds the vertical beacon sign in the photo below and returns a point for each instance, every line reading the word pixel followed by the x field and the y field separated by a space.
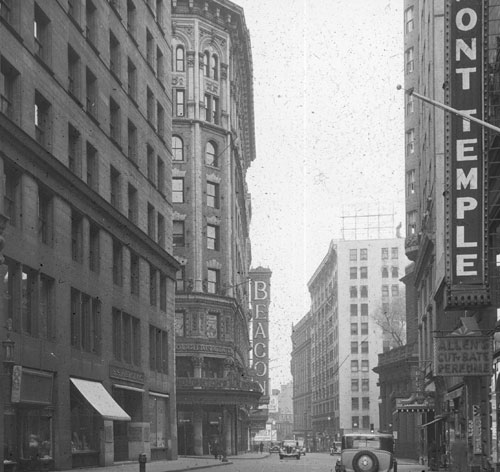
pixel 260 280
pixel 466 157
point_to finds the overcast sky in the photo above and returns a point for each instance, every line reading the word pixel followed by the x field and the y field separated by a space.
pixel 330 137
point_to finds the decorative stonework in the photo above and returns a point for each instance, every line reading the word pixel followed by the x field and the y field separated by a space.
pixel 190 55
pixel 178 80
pixel 181 260
pixel 178 173
pixel 212 87
pixel 201 60
pixel 223 71
pixel 197 361
pixel 178 216
pixel 200 347
pixel 213 220
pixel 214 178
pixel 214 264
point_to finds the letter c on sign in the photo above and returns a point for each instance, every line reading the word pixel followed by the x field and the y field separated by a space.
pixel 260 350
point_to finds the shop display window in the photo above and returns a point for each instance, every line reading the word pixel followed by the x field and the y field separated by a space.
pixel 158 416
pixel 36 434
pixel 85 424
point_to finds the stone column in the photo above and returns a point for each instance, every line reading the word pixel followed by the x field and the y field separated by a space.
pixel 198 364
pixel 198 430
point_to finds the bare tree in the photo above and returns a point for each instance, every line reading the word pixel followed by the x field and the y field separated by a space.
pixel 391 317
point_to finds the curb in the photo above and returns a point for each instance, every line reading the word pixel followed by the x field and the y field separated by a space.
pixel 197 467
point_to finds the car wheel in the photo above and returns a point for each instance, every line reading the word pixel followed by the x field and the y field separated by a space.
pixel 281 457
pixel 365 461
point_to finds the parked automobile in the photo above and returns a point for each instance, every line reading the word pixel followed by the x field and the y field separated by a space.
pixel 335 448
pixel 289 448
pixel 274 448
pixel 367 452
pixel 302 447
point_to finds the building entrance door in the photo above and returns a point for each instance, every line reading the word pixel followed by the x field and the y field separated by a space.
pixel 121 441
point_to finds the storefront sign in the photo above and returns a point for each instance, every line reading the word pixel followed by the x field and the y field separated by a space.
pixel 31 386
pixel 260 280
pixel 476 431
pixel 466 189
pixel 463 355
pixel 122 373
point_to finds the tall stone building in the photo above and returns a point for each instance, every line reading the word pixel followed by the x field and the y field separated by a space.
pixel 213 145
pixel 89 275
pixel 355 284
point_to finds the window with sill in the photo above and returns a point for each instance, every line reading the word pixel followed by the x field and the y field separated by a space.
pixel 126 338
pixel 158 349
pixel 213 237
pixel 211 109
pixel 76 236
pixel 160 175
pixel 179 59
pixel 85 322
pixel 92 167
pixel 114 55
pixel 163 292
pixel 131 80
pixel 115 187
pixel 92 93
pixel 211 158
pixel 131 17
pixel 134 273
pixel 43 122
pixel 178 190
pixel 177 148
pixel 160 224
pixel 150 162
pixel 45 216
pixel 132 203
pixel 212 195
pixel 160 120
pixel 41 34
pixel 114 121
pixel 74 71
pixel 91 22
pixel 213 281
pixel 94 248
pixel 151 221
pixel 12 195
pixel 179 106
pixel 74 150
pixel 132 141
pixel 117 263
pixel 153 285
pixel 180 277
pixel 9 89
pixel 150 106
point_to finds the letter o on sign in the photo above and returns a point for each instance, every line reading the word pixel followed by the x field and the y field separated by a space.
pixel 260 368
pixel 472 17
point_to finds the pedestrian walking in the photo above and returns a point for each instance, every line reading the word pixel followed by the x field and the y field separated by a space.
pixel 261 447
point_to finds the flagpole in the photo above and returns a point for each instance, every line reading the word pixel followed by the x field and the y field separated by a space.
pixel 460 113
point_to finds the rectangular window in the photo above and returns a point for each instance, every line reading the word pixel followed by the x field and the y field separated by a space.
pixel 366 422
pixel 160 175
pixel 91 23
pixel 410 103
pixel 46 315
pixel 180 277
pixel 411 222
pixel 395 290
pixel 151 221
pixel 114 121
pixel 132 141
pixel 354 347
pixel 364 328
pixel 354 366
pixel 92 167
pixel 409 61
pixel 45 218
pixel 160 120
pixel 94 248
pixel 178 190
pixel 212 195
pixel 114 55
pixel 410 141
pixel 74 71
pixel 133 204
pixel 158 349
pixel 363 254
pixel 213 282
pixel 355 422
pixel 74 150
pixel 160 72
pixel 179 102
pixel 178 233
pixel 394 252
pixel 364 309
pixel 355 403
pixel 131 17
pixel 363 272
pixel 6 12
pixel 410 182
pixel 354 310
pixel 353 291
pixel 126 338
pixel 365 403
pixel 150 162
pixel 12 195
pixel 353 273
pixel 92 93
pixel 153 282
pixel 180 323
pixel 117 263
pixel 9 93
pixel 353 255
pixel 161 229
pixel 149 48
pixel 28 300
pixel 163 292
pixel 131 80
pixel 150 106
pixel 354 328
pixel 85 322
pixel 385 253
pixel 364 347
pixel 42 120
pixel 364 291
pixel 213 237
pixel 365 385
pixel 115 187
pixel 134 273
pixel 355 385
pixel 394 272
pixel 41 33
pixel 409 20
pixel 76 236
pixel 159 13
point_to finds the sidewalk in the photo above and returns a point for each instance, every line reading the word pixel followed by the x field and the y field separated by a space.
pixel 181 464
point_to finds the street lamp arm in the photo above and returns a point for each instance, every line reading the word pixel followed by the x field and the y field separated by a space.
pixel 460 113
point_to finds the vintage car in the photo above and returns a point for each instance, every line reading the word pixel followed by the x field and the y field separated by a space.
pixel 367 452
pixel 289 448
pixel 274 448
pixel 302 447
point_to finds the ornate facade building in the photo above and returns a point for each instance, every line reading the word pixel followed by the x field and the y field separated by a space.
pixel 213 145
pixel 88 279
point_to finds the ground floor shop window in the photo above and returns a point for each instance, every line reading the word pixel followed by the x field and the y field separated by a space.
pixel 85 424
pixel 158 416
pixel 36 434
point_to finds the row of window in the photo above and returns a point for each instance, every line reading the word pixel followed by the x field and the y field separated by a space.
pixel 212 328
pixel 363 254
pixel 211 154
pixel 212 192
pixel 210 63
pixel 365 403
pixel 363 329
pixel 210 112
pixel 354 309
pixel 359 348
pixel 363 272
pixel 363 292
pixel 212 284
pixel 212 235
pixel 365 365
pixel 365 422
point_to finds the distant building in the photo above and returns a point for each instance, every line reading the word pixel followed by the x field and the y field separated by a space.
pixel 213 145
pixel 89 276
pixel 357 281
pixel 282 418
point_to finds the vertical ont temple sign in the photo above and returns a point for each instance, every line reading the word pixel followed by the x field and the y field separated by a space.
pixel 466 157
pixel 260 280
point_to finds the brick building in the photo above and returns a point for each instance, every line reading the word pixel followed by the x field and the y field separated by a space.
pixel 213 146
pixel 89 279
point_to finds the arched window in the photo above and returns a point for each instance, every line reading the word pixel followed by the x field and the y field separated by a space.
pixel 177 149
pixel 206 64
pixel 211 154
pixel 215 67
pixel 179 59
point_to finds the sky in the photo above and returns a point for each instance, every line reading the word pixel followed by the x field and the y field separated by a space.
pixel 329 135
